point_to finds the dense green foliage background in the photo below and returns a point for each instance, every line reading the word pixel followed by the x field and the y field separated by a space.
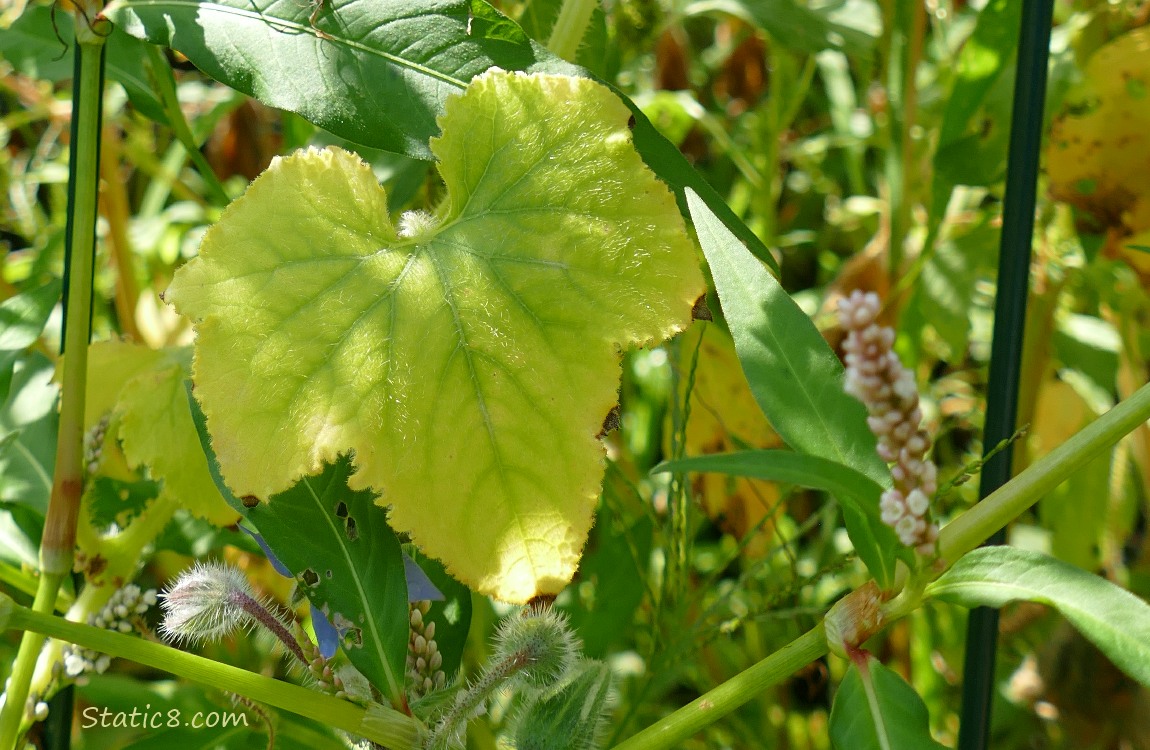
pixel 864 143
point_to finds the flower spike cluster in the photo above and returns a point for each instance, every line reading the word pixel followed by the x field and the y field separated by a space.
pixel 876 377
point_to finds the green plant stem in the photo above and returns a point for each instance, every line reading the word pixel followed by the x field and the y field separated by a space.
pixel 1003 505
pixel 56 546
pixel 377 723
pixel 720 701
pixel 957 538
pixel 122 554
pixel 166 87
pixel 905 21
pixel 567 33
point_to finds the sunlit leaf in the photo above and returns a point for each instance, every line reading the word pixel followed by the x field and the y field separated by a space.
pixel 796 378
pixel 468 358
pixel 1113 619
pixel 145 389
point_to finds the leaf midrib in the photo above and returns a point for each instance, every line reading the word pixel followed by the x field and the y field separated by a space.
pixel 300 28
pixel 396 688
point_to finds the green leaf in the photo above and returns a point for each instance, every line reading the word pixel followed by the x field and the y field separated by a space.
pixel 374 55
pixel 28 423
pixel 985 55
pixel 347 560
pixel 1111 618
pixel 22 318
pixel 793 25
pixel 376 73
pixel 796 378
pixel 611 582
pixel 849 486
pixel 145 389
pixel 470 358
pixel 40 44
pixel 893 717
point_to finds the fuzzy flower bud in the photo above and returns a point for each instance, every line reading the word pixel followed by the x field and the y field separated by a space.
pixel 534 652
pixel 876 377
pixel 209 601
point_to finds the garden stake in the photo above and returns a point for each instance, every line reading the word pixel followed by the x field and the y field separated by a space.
pixel 1006 345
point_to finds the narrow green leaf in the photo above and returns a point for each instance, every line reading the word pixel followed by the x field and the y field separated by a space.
pixel 848 485
pixel 665 160
pixel 894 718
pixel 796 378
pixel 1113 619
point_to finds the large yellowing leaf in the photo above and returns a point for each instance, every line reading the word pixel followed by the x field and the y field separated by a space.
pixel 467 358
pixel 144 389
pixel 1097 159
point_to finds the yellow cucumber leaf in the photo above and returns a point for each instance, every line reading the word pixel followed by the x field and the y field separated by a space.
pixel 467 358
pixel 144 388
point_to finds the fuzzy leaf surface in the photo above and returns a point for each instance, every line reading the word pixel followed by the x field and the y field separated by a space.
pixel 468 360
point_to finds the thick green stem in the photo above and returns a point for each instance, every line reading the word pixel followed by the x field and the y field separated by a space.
pixel 377 723
pixel 122 554
pixel 567 34
pixel 59 539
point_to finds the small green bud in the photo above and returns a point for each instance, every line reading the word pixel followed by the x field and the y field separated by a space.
pixel 571 717
pixel 540 645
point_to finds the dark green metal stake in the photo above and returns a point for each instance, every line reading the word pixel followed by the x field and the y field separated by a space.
pixel 1006 346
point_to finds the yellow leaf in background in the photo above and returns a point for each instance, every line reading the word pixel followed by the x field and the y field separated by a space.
pixel 725 417
pixel 144 388
pixel 1059 414
pixel 1097 160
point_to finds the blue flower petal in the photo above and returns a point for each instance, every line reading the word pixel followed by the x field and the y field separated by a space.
pixel 419 586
